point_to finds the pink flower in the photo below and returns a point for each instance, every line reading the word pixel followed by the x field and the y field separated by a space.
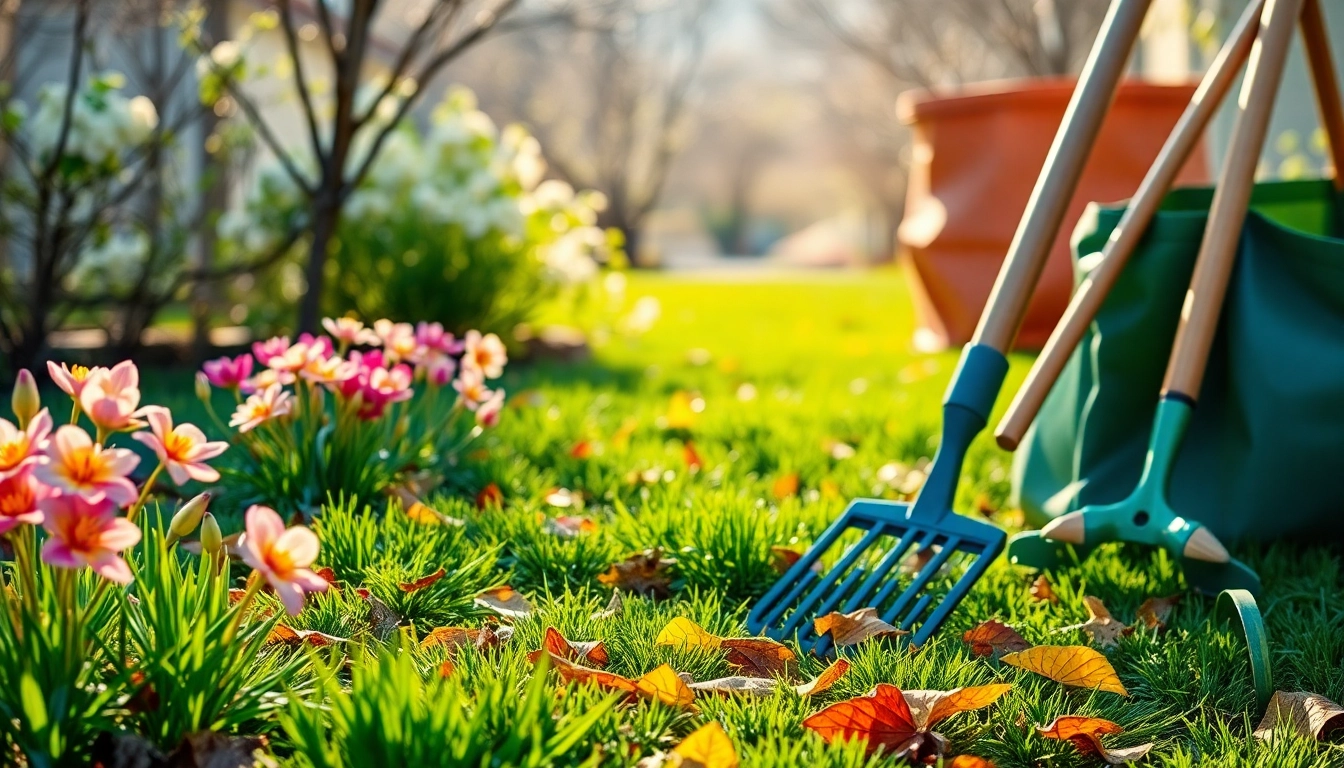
pixel 22 448
pixel 439 368
pixel 71 379
pixel 471 389
pixel 76 465
pixel 331 370
pixel 488 414
pixel 183 450
pixel 271 403
pixel 486 354
pixel 283 557
pixel 110 398
pixel 20 497
pixel 87 532
pixel 384 387
pixel 265 378
pixel 399 342
pixel 350 331
pixel 228 374
pixel 265 350
pixel 433 336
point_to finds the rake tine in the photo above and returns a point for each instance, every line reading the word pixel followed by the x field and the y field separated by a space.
pixel 801 612
pixel 952 599
pixel 922 539
pixel 922 579
pixel 895 556
pixel 800 576
pixel 778 607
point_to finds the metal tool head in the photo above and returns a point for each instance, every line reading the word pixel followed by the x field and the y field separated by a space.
pixel 913 574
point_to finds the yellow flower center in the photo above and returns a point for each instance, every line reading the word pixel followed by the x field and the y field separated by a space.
pixel 79 372
pixel 280 562
pixel 177 446
pixel 17 500
pixel 82 533
pixel 13 452
pixel 84 466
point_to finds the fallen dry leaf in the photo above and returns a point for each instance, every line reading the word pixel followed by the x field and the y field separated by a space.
pixel 643 574
pixel 615 607
pixel 454 639
pixel 683 633
pixel 421 513
pixel 490 496
pixel 1076 665
pixel 506 601
pixel 928 708
pixel 759 656
pixel 383 621
pixel 707 747
pixel 422 582
pixel 994 637
pixel 567 526
pixel 664 685
pixel 785 486
pixel 1300 713
pixel 1042 589
pixel 447 668
pixel 326 574
pixel 571 672
pixel 853 628
pixel 900 721
pixel 1101 627
pixel 828 677
pixel 1085 733
pixel 737 684
pixel 581 450
pixel 281 634
pixel 693 462
pixel 592 652
pixel 969 761
pixel 1155 611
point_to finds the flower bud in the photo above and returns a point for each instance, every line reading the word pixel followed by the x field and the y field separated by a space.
pixel 202 387
pixel 26 402
pixel 188 517
pixel 212 541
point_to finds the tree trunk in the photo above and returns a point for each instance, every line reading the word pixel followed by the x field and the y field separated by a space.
pixel 325 216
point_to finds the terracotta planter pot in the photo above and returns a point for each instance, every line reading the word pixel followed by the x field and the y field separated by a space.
pixel 976 155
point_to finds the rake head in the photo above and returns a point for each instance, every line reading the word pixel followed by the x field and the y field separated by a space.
pixel 913 568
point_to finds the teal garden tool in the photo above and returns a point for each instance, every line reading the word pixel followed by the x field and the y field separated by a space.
pixel 839 573
pixel 1146 516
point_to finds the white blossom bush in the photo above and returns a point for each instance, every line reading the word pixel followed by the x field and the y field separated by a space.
pixel 453 224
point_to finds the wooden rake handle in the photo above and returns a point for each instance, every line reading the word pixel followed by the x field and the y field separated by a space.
pixel 1317 44
pixel 1054 189
pixel 1124 239
pixel 1217 254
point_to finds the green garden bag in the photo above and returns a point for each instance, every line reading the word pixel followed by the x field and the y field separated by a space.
pixel 1264 456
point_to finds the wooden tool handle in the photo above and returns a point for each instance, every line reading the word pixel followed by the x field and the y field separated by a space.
pixel 1217 254
pixel 1314 34
pixel 1049 201
pixel 1125 237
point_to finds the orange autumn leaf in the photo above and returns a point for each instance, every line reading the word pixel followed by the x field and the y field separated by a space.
pixel 490 496
pixel 425 581
pixel 882 718
pixel 683 633
pixel 567 526
pixel 1042 589
pixel 785 486
pixel 1085 733
pixel 1307 715
pixel 506 601
pixel 664 685
pixel 707 747
pixel 829 677
pixel 571 672
pixel 993 637
pixel 592 652
pixel 1076 665
pixel 421 513
pixel 581 450
pixel 1155 611
pixel 693 461
pixel 326 574
pixel 281 634
pixel 783 558
pixel 453 639
pixel 759 656
pixel 969 761
pixel 447 668
pixel 853 628
pixel 928 708
pixel 645 573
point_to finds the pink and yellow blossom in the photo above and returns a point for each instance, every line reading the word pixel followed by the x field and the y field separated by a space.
pixel 471 389
pixel 110 398
pixel 183 450
pixel 272 347
pixel 350 331
pixel 78 466
pixel 488 414
pixel 485 353
pixel 272 402
pixel 282 556
pixel 399 342
pixel 228 373
pixel 20 498
pixel 71 379
pixel 22 448
pixel 83 532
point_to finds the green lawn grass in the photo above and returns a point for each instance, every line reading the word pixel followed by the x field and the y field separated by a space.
pixel 786 369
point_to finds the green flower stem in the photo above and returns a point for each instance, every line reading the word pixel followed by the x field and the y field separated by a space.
pixel 254 583
pixel 74 412
pixel 144 493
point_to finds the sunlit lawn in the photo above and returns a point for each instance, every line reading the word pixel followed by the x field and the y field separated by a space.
pixel 780 373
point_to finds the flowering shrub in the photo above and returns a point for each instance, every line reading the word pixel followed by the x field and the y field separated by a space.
pixel 360 412
pixel 86 635
pixel 456 223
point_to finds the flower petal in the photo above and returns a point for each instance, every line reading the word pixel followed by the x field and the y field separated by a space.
pixel 301 544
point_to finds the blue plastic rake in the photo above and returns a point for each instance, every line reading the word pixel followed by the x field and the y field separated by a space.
pixel 863 574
